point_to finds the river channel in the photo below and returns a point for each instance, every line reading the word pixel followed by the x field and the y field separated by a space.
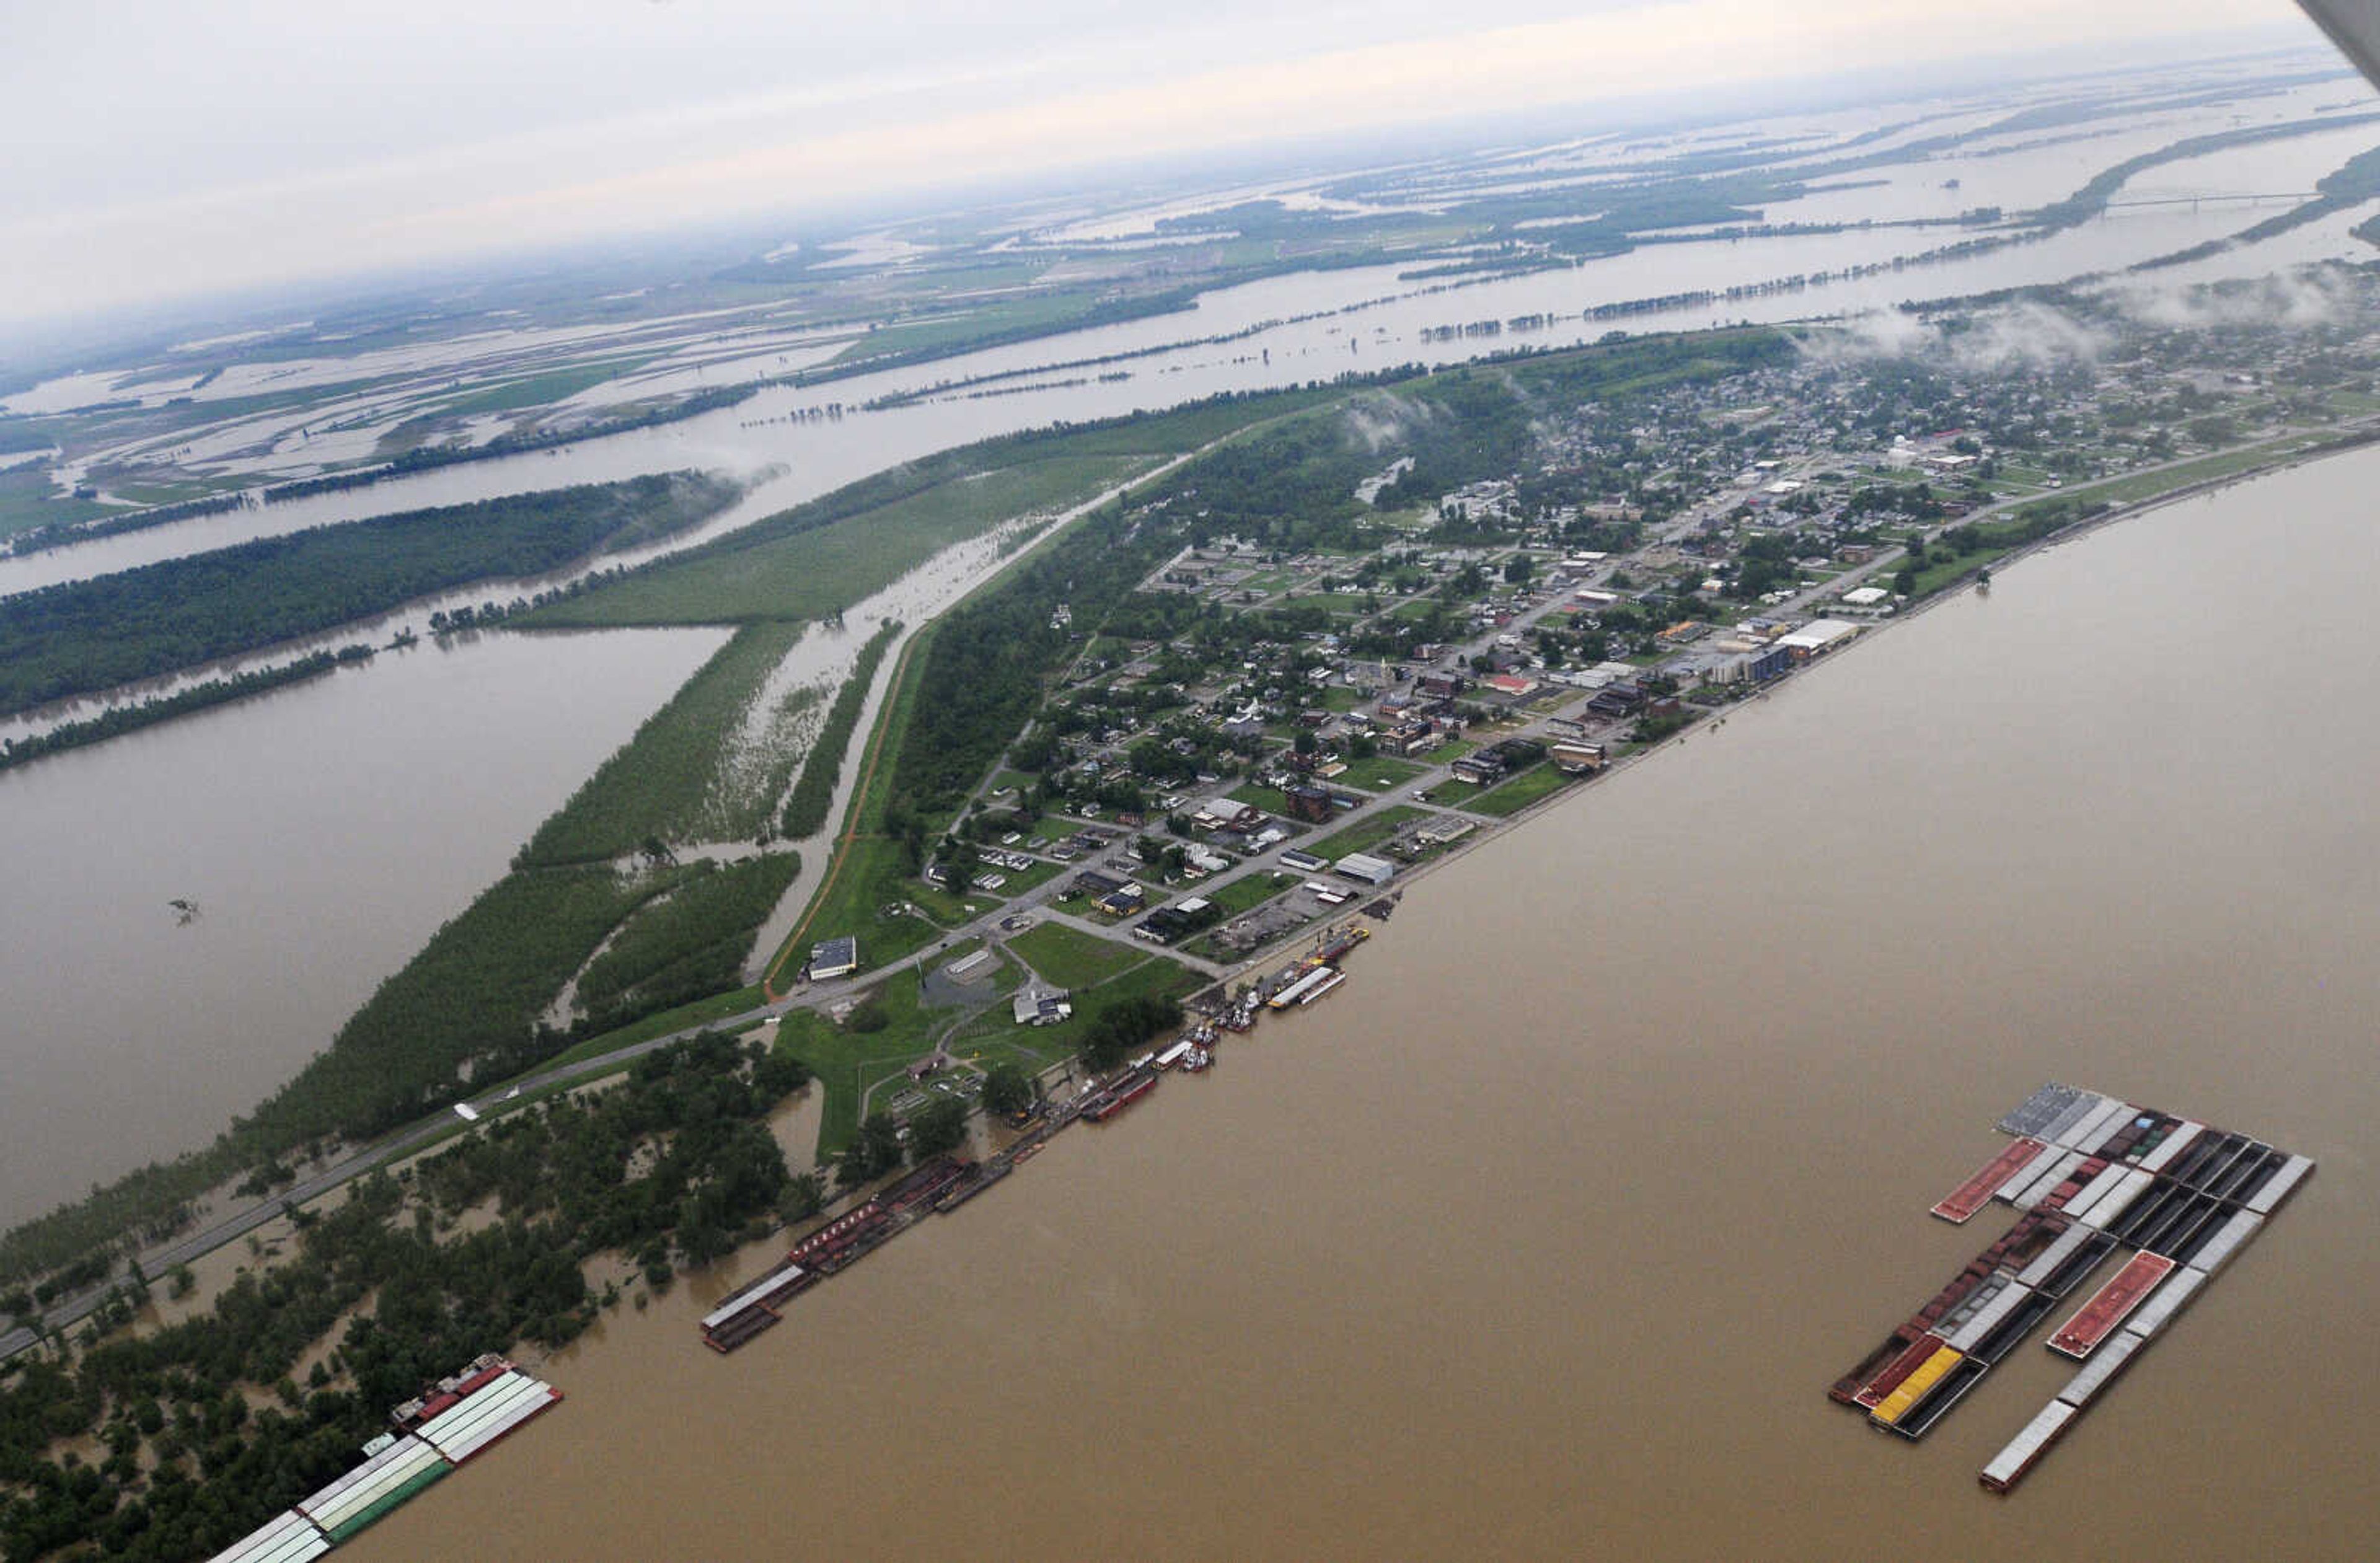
pixel 1544 1236
pixel 370 806
pixel 323 838
pixel 1315 325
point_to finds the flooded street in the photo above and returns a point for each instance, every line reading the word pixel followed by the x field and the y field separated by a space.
pixel 1545 1234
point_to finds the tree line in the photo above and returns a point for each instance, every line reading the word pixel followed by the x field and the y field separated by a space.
pixel 813 794
pixel 82 637
pixel 688 945
pixel 185 1466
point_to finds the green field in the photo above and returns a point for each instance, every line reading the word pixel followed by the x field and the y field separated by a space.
pixel 26 501
pixel 1378 773
pixel 810 575
pixel 1244 894
pixel 1070 958
pixel 540 390
pixel 1272 800
pixel 1045 312
pixel 1369 835
pixel 2148 485
pixel 852 1064
pixel 1510 797
pixel 849 1063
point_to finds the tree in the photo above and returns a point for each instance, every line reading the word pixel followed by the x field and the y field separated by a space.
pixel 959 865
pixel 1518 569
pixel 878 1146
pixel 939 1129
pixel 1007 1089
pixel 803 1198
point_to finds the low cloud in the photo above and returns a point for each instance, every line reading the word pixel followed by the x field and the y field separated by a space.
pixel 2019 335
pixel 2309 297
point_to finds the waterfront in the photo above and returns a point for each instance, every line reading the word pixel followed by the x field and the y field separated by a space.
pixel 1545 1234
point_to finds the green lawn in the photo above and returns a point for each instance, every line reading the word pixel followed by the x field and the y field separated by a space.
pixel 1070 958
pixel 1379 772
pixel 875 877
pixel 851 1064
pixel 1272 800
pixel 848 1063
pixel 1369 835
pixel 1241 895
pixel 1510 797
pixel 810 574
pixel 2148 485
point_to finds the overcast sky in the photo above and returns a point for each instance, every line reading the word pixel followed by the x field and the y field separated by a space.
pixel 164 148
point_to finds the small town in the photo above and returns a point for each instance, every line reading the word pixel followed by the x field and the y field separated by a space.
pixel 1282 724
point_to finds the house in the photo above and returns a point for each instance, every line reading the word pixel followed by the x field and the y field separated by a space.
pixel 1091 882
pixel 1309 804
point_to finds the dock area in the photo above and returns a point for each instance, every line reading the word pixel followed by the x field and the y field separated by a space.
pixel 431 1436
pixel 943 1184
pixel 2088 1175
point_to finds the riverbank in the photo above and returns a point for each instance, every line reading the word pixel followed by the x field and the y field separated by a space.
pixel 1666 1021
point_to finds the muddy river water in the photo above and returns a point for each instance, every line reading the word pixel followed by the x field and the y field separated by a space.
pixel 1544 1236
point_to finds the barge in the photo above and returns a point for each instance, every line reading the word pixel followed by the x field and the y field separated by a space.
pixel 2090 1175
pixel 2110 1306
pixel 746 1314
pixel 1109 1100
pixel 1307 988
pixel 1960 1206
pixel 434 1434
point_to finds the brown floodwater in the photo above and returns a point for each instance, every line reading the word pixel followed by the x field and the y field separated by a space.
pixel 1544 1236
pixel 324 831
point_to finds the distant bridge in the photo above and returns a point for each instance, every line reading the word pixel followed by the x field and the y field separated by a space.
pixel 2210 200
